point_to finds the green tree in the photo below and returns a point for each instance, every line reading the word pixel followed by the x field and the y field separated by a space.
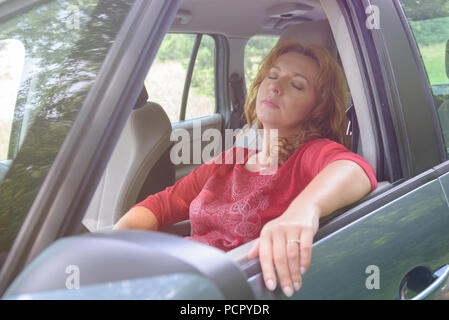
pixel 256 49
pixel 425 9
pixel 179 47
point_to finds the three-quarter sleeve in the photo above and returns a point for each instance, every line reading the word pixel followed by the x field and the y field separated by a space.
pixel 322 152
pixel 172 204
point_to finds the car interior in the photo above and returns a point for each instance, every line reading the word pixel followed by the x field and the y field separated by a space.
pixel 222 43
pixel 140 164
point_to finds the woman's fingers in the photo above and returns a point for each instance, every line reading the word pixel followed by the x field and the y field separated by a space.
pixel 281 262
pixel 293 257
pixel 289 260
pixel 266 260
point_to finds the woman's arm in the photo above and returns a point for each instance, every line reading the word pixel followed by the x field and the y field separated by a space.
pixel 138 218
pixel 339 184
pixel 170 205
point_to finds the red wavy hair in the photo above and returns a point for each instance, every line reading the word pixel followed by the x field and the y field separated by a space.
pixel 327 118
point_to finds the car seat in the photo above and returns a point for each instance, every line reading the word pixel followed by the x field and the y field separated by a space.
pixel 139 165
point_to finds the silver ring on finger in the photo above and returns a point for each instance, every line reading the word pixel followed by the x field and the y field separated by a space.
pixel 294 241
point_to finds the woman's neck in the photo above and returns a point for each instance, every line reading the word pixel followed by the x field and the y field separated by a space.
pixel 268 156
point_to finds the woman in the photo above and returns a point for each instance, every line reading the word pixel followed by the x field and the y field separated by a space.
pixel 300 94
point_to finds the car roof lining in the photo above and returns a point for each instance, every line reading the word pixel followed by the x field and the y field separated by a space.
pixel 248 20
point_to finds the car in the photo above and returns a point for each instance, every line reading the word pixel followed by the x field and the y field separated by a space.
pixel 96 92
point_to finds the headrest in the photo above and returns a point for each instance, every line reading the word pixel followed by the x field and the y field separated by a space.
pixel 142 100
pixel 313 32
pixel 447 58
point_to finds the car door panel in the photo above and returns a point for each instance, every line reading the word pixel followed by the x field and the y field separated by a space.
pixel 410 231
pixel 196 142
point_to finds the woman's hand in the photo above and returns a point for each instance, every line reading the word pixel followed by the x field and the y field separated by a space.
pixel 290 259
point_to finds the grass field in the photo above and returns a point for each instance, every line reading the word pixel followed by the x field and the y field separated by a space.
pixel 434 61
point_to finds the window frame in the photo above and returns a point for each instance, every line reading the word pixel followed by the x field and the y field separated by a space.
pixel 425 83
pixel 188 80
pixel 390 162
pixel 222 85
pixel 386 56
pixel 219 45
pixel 382 106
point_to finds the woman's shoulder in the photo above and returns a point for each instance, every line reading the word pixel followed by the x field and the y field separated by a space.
pixel 314 150
pixel 323 142
pixel 320 145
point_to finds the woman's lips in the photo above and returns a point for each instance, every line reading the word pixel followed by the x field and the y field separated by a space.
pixel 270 103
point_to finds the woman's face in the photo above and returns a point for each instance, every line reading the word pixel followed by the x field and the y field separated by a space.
pixel 287 95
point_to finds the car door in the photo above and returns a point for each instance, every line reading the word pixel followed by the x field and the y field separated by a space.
pixel 393 245
pixel 77 88
pixel 428 31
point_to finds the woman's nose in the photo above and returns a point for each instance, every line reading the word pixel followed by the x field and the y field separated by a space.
pixel 275 88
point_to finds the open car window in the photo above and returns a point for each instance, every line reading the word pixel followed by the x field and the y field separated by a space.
pixel 430 26
pixel 62 45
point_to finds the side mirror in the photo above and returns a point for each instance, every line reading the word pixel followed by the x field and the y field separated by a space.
pixel 95 260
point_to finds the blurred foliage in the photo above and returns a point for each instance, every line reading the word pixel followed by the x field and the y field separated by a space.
pixel 425 9
pixel 167 91
pixel 176 47
pixel 256 49
pixel 63 65
pixel 430 32
pixel 428 19
pixel 179 47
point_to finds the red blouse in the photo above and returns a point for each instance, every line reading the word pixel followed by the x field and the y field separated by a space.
pixel 228 205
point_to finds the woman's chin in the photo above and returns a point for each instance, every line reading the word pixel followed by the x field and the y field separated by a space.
pixel 268 118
